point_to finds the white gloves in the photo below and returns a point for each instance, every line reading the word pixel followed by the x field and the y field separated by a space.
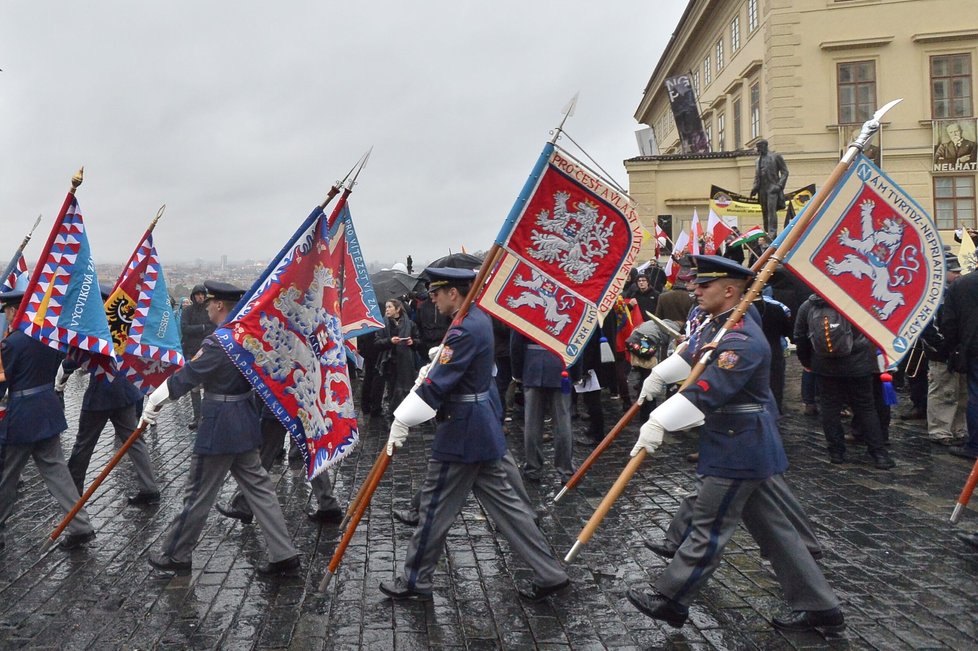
pixel 399 434
pixel 653 387
pixel 672 369
pixel 649 437
pixel 61 379
pixel 424 370
pixel 156 399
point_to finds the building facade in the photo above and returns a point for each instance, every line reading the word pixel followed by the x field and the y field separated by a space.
pixel 805 75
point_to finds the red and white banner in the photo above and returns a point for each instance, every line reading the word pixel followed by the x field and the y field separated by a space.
pixel 568 246
pixel 876 256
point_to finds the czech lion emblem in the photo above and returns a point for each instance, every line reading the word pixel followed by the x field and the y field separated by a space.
pixel 574 240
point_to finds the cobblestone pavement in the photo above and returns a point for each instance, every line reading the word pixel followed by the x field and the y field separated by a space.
pixel 905 581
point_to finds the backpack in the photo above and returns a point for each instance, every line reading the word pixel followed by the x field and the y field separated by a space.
pixel 831 335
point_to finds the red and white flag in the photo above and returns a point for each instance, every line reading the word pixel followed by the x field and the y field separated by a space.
pixel 678 251
pixel 716 233
pixel 695 233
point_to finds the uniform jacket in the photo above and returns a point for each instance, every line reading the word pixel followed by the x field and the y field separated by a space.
pixel 472 431
pixel 105 395
pixel 28 363
pixel 737 445
pixel 225 427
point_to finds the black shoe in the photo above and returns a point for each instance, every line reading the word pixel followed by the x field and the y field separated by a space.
pixel 882 460
pixel 968 538
pixel 167 564
pixel 837 457
pixel 963 452
pixel 76 540
pixel 234 514
pixel 398 590
pixel 658 607
pixel 660 549
pixel 409 517
pixel 192 427
pixel 327 516
pixel 913 414
pixel 279 567
pixel 693 457
pixel 830 621
pixel 537 593
pixel 142 498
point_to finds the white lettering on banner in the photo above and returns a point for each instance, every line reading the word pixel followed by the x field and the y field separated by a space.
pixel 86 289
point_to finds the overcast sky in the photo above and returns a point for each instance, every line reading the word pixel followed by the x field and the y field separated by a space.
pixel 239 116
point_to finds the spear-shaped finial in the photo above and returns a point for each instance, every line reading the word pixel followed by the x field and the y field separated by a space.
pixel 159 213
pixel 568 111
pixel 77 179
pixel 352 180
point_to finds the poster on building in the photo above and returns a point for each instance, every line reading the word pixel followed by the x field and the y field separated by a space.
pixel 731 204
pixel 873 151
pixel 682 99
pixel 954 145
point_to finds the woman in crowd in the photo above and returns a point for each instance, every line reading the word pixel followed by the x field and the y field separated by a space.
pixel 399 360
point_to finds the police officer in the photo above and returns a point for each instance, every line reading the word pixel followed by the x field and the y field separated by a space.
pixel 740 466
pixel 33 425
pixel 227 441
pixel 117 400
pixel 466 453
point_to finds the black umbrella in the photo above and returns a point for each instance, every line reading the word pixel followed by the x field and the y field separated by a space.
pixel 458 261
pixel 391 283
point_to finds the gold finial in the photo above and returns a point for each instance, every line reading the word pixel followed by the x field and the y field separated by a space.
pixel 76 180
pixel 159 213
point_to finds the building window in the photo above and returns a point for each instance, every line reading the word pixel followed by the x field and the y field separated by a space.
pixel 951 88
pixel 735 34
pixel 737 119
pixel 696 84
pixel 954 201
pixel 755 110
pixel 719 49
pixel 857 91
pixel 751 15
pixel 707 72
pixel 708 130
pixel 721 131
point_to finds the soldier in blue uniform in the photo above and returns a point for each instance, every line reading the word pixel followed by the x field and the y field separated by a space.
pixel 227 441
pixel 117 400
pixel 33 425
pixel 467 451
pixel 740 467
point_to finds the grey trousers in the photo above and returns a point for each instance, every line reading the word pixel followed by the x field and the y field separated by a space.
pixel 534 403
pixel 207 475
pixel 273 438
pixel 512 474
pixel 51 466
pixel 720 507
pixel 445 489
pixel 125 421
pixel 947 401
pixel 780 493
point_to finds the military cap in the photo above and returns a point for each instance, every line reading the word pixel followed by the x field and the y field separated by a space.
pixel 223 291
pixel 439 277
pixel 712 267
pixel 11 298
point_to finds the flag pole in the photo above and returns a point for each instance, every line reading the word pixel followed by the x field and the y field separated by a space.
pixel 365 494
pixel 76 181
pixel 969 488
pixel 20 250
pixel 113 462
pixel 791 237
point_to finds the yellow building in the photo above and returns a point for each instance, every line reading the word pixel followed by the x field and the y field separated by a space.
pixel 804 75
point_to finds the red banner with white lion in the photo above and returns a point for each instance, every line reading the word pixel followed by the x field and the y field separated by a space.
pixel 874 254
pixel 568 245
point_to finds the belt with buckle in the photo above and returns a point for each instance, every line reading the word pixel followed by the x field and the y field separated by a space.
pixel 468 397
pixel 225 397
pixel 32 391
pixel 745 408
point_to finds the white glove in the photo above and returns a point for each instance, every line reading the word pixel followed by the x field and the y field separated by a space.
pixel 422 374
pixel 156 399
pixel 61 380
pixel 649 437
pixel 653 387
pixel 399 434
pixel 432 352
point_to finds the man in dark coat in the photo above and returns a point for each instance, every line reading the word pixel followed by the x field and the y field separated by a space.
pixel 194 327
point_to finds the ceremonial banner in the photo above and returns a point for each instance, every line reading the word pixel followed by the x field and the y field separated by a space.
pixel 287 339
pixel 145 329
pixel 685 110
pixel 18 277
pixel 568 245
pixel 875 255
pixel 360 313
pixel 730 204
pixel 966 252
pixel 63 307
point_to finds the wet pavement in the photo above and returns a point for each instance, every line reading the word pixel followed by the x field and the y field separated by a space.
pixel 890 554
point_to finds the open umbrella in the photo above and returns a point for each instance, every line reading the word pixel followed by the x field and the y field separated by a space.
pixel 458 261
pixel 391 283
